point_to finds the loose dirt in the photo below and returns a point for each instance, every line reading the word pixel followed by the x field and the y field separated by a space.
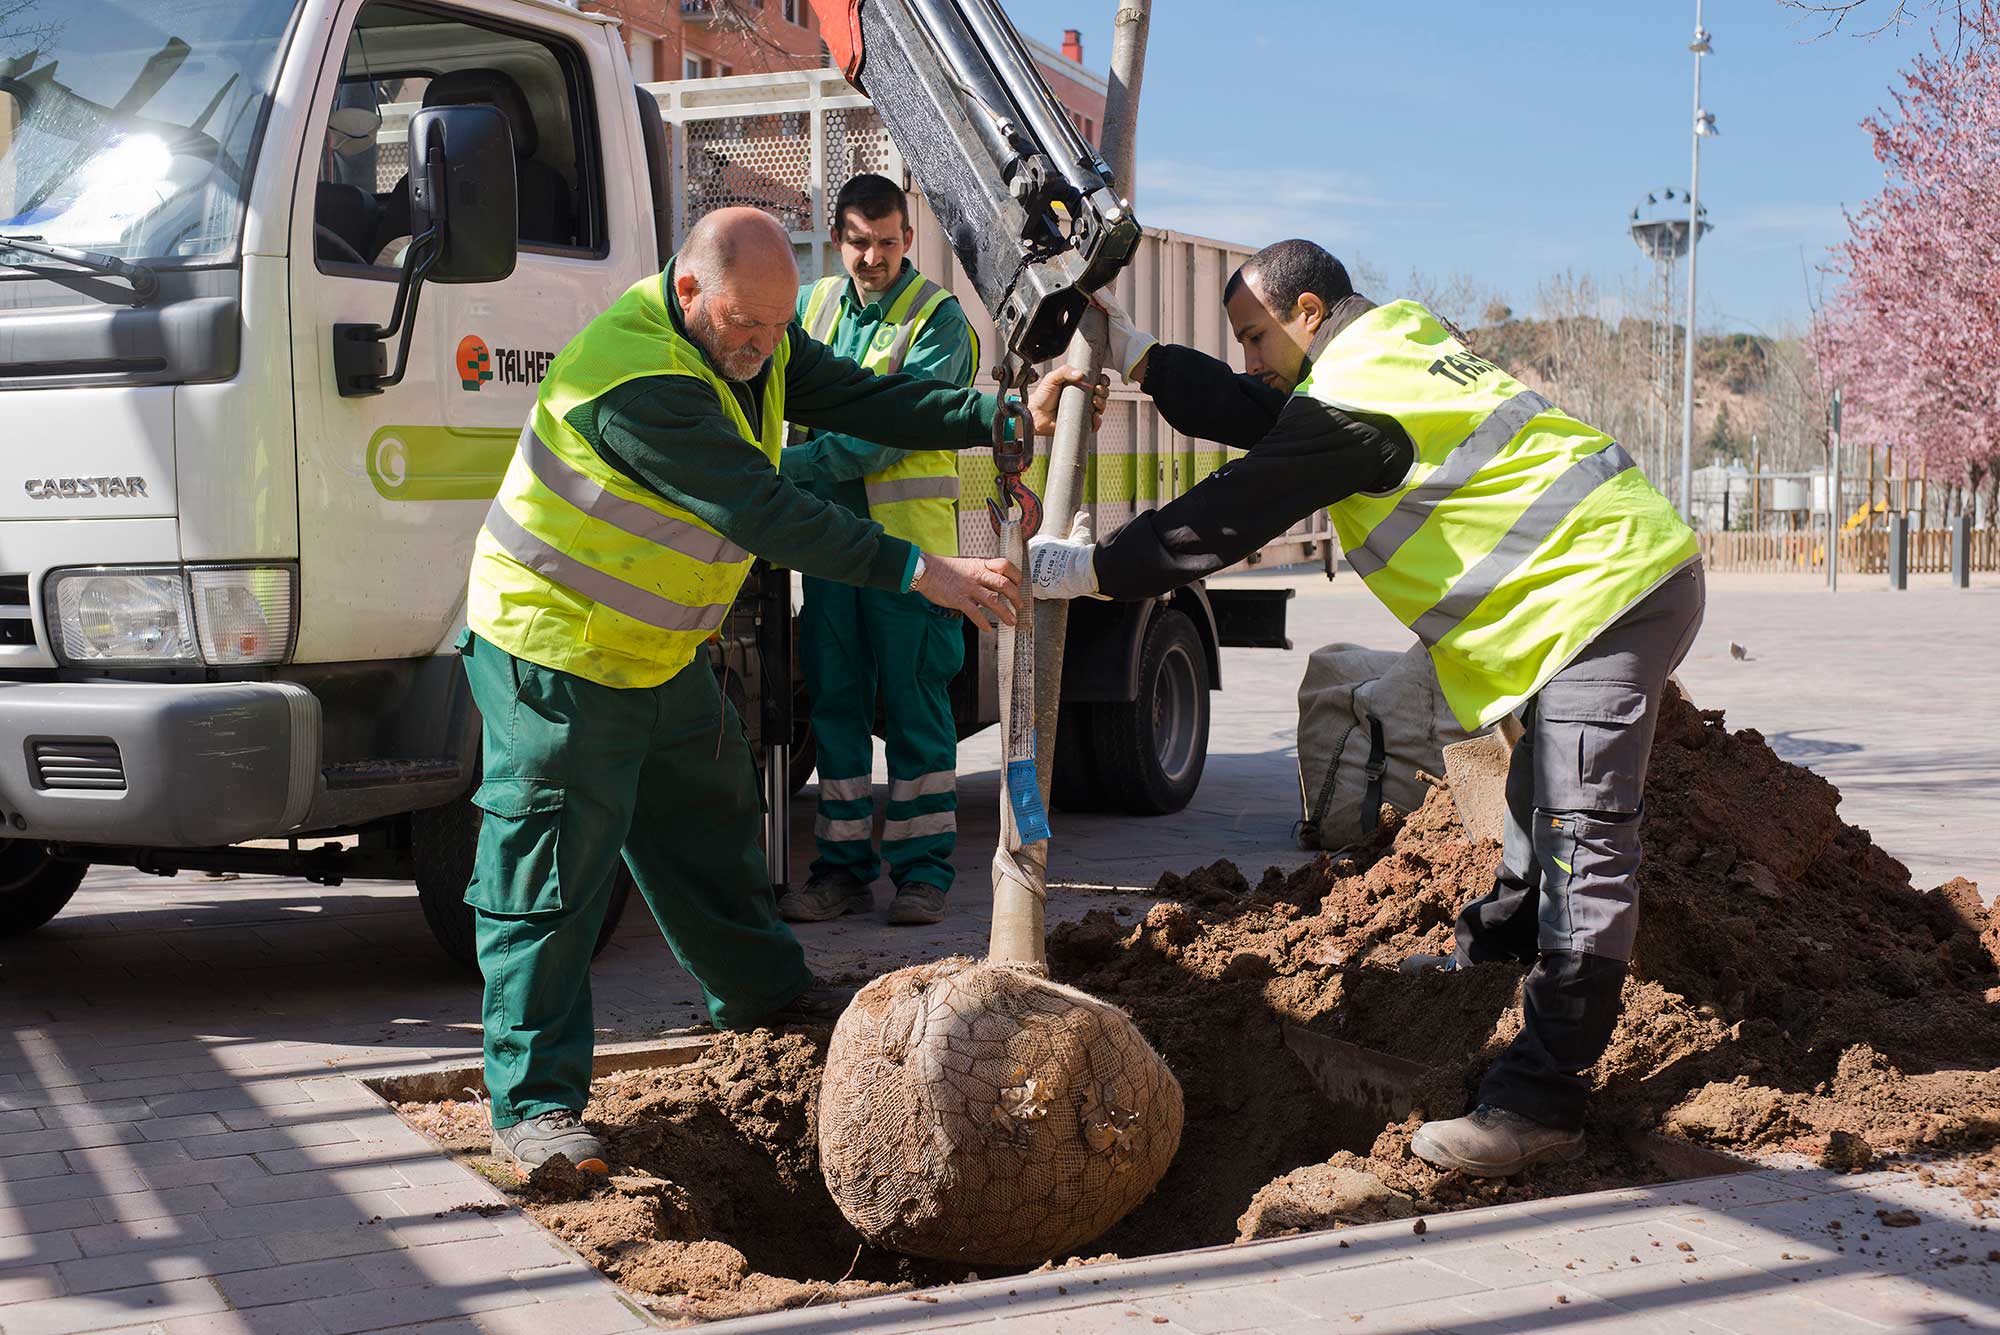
pixel 1790 991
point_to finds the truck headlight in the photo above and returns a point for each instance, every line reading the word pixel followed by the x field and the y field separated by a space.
pixel 123 616
pixel 223 615
pixel 243 613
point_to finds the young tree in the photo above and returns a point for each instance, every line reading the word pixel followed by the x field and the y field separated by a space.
pixel 1914 333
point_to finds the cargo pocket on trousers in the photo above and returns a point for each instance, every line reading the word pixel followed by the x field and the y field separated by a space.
pixel 1590 746
pixel 1589 883
pixel 520 847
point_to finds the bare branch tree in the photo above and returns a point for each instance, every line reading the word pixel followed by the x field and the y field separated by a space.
pixel 738 19
pixel 1887 15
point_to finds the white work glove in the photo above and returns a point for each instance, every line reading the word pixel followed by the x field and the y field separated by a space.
pixel 1065 567
pixel 1124 344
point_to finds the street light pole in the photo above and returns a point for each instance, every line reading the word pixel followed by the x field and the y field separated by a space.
pixel 1704 124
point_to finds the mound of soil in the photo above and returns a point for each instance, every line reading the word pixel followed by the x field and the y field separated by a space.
pixel 1790 991
pixel 1789 983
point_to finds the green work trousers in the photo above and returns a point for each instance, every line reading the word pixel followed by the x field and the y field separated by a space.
pixel 858 645
pixel 575 774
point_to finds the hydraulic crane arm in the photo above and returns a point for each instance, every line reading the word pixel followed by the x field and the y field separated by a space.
pixel 1030 207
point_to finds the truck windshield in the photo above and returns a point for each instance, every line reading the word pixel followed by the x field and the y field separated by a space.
pixel 126 126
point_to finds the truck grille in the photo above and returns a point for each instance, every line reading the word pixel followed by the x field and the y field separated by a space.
pixel 77 763
pixel 15 625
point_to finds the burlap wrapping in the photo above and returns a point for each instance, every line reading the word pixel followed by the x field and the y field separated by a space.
pixel 979 1112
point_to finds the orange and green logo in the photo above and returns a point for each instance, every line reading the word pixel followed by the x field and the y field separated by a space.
pixel 475 362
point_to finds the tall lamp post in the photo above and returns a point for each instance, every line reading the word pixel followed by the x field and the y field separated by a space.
pixel 1704 124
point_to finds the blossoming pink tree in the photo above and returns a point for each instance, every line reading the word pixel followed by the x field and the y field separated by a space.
pixel 1913 336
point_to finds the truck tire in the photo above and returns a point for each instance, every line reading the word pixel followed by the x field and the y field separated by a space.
pixel 1150 751
pixel 443 841
pixel 34 887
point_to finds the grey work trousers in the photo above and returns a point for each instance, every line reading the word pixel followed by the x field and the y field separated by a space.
pixel 1566 896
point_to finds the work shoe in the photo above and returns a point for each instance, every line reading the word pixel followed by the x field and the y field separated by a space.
pixel 824 897
pixel 530 1143
pixel 916 904
pixel 1417 964
pixel 820 1004
pixel 1492 1142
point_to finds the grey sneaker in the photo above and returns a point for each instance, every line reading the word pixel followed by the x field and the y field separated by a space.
pixel 916 904
pixel 824 897
pixel 1417 964
pixel 533 1142
pixel 1492 1142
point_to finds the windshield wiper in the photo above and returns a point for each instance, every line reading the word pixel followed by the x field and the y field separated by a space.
pixel 145 283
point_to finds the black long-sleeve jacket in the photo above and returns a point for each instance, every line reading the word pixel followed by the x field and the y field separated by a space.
pixel 1304 456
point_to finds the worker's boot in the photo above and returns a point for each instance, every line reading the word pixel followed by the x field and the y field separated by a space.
pixel 916 904
pixel 826 896
pixel 530 1143
pixel 820 1004
pixel 1492 1142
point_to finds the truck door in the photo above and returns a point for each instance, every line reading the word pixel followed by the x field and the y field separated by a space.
pixel 392 487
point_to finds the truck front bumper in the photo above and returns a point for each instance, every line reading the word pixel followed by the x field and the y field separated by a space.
pixel 156 764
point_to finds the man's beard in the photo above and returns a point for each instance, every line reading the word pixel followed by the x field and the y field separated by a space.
pixel 742 365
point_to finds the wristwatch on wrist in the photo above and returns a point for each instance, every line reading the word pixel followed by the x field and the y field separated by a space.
pixel 917 573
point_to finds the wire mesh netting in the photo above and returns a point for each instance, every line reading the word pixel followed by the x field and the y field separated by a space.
pixel 761 161
pixel 856 142
pixel 977 1112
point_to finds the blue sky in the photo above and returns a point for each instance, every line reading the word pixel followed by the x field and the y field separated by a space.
pixel 1507 141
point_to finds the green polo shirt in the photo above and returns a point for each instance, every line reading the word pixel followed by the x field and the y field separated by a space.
pixel 830 464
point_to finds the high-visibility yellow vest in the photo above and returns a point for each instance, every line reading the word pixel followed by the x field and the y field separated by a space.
pixel 1519 532
pixel 579 567
pixel 916 497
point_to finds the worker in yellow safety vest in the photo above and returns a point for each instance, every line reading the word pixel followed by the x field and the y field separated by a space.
pixel 645 483
pixel 861 647
pixel 1545 574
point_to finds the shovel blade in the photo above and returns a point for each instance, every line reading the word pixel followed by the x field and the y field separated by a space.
pixel 1375 1085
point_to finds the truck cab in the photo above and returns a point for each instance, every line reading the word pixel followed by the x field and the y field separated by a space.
pixel 231 583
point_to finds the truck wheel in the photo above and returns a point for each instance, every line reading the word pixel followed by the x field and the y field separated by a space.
pixel 1150 751
pixel 1074 785
pixel 34 887
pixel 443 841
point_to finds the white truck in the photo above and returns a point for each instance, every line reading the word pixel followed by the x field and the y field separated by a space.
pixel 249 445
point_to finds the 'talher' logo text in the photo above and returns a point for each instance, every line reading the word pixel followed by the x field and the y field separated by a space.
pixel 478 364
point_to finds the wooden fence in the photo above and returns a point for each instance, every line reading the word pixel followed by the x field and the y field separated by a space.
pixel 1865 552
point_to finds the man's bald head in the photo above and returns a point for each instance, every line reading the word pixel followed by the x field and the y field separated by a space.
pixel 728 242
pixel 736 281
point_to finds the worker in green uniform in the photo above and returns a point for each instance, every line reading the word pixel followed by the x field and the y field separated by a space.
pixel 645 480
pixel 862 645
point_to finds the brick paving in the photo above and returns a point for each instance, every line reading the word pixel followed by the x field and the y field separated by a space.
pixel 185 1147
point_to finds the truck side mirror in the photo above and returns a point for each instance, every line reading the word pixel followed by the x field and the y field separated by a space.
pixel 464 207
pixel 466 192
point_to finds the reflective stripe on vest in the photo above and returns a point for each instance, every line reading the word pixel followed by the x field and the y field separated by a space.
pixel 916 497
pixel 578 566
pixel 643 522
pixel 1518 533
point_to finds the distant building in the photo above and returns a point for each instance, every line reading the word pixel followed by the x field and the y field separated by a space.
pixel 707 39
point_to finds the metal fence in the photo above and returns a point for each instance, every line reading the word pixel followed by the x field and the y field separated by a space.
pixel 1863 552
pixel 785 142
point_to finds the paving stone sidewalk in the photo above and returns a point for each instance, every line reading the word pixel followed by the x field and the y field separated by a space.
pixel 185 1149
